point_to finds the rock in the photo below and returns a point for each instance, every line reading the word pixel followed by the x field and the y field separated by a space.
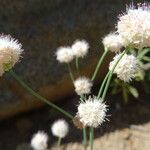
pixel 42 26
pixel 124 139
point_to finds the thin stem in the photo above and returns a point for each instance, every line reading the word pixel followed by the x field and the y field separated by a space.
pixel 70 72
pixel 99 64
pixel 91 137
pixel 58 142
pixel 102 85
pixel 110 76
pixel 84 138
pixel 77 65
pixel 22 83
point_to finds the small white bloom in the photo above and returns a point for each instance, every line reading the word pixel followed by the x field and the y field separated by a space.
pixel 126 68
pixel 39 141
pixel 64 54
pixel 83 85
pixel 10 52
pixel 60 128
pixel 80 48
pixel 134 26
pixel 113 42
pixel 92 112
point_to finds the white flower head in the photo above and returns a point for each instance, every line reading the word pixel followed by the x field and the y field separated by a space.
pixel 92 112
pixel 60 128
pixel 10 52
pixel 39 141
pixel 80 48
pixel 64 54
pixel 113 42
pixel 126 68
pixel 83 85
pixel 134 26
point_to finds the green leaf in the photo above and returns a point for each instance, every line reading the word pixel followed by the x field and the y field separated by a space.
pixel 143 53
pixel 125 94
pixel 146 58
pixel 133 91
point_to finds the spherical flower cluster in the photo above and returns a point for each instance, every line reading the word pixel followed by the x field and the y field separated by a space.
pixel 10 52
pixel 126 68
pixel 113 42
pixel 64 54
pixel 83 85
pixel 92 112
pixel 80 48
pixel 60 128
pixel 134 26
pixel 39 141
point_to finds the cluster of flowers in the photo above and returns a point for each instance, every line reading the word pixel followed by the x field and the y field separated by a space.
pixel 132 31
pixel 59 129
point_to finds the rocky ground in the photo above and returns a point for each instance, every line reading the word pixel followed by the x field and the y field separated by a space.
pixel 128 127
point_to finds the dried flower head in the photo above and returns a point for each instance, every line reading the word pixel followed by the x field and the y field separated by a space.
pixel 92 112
pixel 83 85
pixel 60 128
pixel 80 48
pixel 134 26
pixel 113 42
pixel 10 52
pixel 64 54
pixel 126 68
pixel 39 141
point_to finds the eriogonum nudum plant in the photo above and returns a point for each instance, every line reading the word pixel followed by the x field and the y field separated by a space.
pixel 64 54
pixel 39 141
pixel 112 42
pixel 60 128
pixel 80 48
pixel 83 85
pixel 134 26
pixel 92 112
pixel 126 68
pixel 10 52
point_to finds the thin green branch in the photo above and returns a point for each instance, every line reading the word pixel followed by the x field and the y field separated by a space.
pixel 22 83
pixel 99 64
pixel 70 72
pixel 77 65
pixel 102 85
pixel 91 137
pixel 110 76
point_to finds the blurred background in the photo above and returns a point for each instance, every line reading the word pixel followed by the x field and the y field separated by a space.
pixel 42 26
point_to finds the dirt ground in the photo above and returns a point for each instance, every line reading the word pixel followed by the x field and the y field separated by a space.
pixel 128 127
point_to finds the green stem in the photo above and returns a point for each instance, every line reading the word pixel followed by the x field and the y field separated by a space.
pixel 84 138
pixel 99 64
pixel 59 142
pixel 70 72
pixel 77 65
pixel 37 95
pixel 91 137
pixel 110 75
pixel 102 85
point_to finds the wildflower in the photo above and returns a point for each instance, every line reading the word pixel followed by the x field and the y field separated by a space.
pixel 92 112
pixel 80 48
pixel 60 128
pixel 64 54
pixel 126 68
pixel 134 26
pixel 10 52
pixel 113 42
pixel 83 85
pixel 39 141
